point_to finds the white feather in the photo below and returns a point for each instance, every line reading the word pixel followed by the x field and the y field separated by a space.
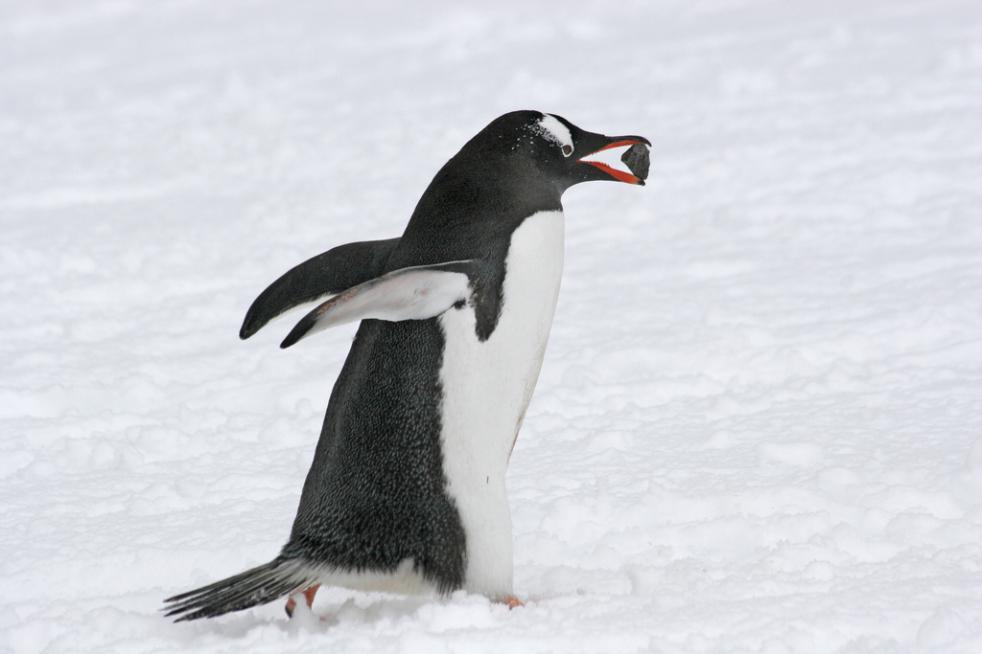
pixel 554 129
pixel 404 579
pixel 486 389
pixel 414 293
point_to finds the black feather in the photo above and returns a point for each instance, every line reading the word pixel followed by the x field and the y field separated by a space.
pixel 331 272
pixel 259 585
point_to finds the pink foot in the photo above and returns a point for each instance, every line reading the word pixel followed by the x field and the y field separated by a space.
pixel 511 601
pixel 308 596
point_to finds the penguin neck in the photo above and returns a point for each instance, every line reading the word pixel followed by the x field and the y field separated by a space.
pixel 483 194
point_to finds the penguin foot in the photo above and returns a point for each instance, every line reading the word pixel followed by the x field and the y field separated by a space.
pixel 308 596
pixel 510 601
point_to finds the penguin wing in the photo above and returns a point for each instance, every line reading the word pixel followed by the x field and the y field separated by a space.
pixel 414 293
pixel 328 273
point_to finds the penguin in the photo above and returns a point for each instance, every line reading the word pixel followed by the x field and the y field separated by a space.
pixel 406 491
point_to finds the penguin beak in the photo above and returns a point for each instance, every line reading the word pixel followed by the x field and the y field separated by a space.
pixel 620 158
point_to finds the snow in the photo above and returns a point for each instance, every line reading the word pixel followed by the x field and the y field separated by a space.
pixel 758 426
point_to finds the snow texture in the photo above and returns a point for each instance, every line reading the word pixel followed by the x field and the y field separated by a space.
pixel 758 427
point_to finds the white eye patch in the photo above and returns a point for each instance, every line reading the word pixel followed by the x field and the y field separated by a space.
pixel 554 130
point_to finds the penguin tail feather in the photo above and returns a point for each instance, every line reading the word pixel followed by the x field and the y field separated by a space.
pixel 259 585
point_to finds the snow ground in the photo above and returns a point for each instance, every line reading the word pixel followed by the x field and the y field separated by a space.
pixel 759 424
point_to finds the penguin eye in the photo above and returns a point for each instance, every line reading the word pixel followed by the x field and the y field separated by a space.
pixel 567 150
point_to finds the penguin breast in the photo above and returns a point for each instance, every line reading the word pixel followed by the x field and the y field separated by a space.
pixel 487 386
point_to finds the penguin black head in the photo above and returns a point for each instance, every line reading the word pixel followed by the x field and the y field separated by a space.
pixel 546 150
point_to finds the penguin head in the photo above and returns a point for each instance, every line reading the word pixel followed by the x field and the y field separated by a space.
pixel 546 150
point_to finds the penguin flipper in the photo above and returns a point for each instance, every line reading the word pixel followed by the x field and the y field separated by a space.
pixel 414 293
pixel 328 273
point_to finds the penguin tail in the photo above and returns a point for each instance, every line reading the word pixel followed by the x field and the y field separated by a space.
pixel 259 585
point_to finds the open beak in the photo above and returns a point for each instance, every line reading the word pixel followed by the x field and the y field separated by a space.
pixel 622 158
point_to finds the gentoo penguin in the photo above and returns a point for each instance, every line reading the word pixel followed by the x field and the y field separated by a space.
pixel 406 491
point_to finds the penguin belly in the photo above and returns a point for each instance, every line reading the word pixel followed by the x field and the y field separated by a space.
pixel 487 386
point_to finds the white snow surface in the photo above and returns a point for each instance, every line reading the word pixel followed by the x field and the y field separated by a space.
pixel 758 427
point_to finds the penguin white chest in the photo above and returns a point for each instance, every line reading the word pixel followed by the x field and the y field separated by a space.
pixel 487 386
